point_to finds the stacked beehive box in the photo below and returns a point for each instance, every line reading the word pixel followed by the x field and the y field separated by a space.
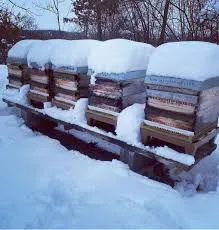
pixel 119 68
pixel 18 74
pixel 41 75
pixel 182 88
pixel 70 69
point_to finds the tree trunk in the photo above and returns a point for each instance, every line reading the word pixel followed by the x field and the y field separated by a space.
pixel 99 26
pixel 164 24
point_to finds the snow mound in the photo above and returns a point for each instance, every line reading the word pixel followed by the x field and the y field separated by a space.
pixel 19 96
pixel 76 115
pixel 20 50
pixel 72 54
pixel 119 56
pixel 39 54
pixel 129 122
pixel 189 60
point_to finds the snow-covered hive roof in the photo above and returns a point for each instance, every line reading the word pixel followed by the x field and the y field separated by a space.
pixel 18 52
pixel 39 55
pixel 188 60
pixel 72 55
pixel 120 59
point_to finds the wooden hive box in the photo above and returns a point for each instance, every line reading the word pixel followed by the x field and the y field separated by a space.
pixel 114 95
pixel 41 86
pixel 69 86
pixel 182 104
pixel 18 74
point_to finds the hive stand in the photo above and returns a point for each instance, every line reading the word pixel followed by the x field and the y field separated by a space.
pixel 190 144
pixel 105 121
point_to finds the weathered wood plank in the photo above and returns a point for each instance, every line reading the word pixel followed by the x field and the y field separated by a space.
pixel 38 97
pixel 73 98
pixel 132 87
pixel 43 79
pixel 62 104
pixel 172 96
pixel 105 103
pixel 169 105
pixel 174 82
pixel 66 84
pixel 181 121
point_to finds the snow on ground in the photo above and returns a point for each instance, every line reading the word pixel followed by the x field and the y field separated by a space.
pixel 44 185
pixel 190 60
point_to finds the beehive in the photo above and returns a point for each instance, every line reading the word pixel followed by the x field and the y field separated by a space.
pixel 69 86
pixel 115 94
pixel 183 95
pixel 18 74
pixel 119 67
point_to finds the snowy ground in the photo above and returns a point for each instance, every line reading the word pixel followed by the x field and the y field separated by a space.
pixel 43 185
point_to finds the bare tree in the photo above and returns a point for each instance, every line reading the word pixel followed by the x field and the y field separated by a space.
pixel 52 6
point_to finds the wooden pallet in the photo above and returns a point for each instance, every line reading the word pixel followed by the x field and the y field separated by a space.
pixel 143 157
pixel 189 143
pixel 62 104
pixel 101 120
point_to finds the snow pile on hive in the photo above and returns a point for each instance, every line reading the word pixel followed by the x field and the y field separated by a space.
pixel 18 52
pixel 119 56
pixel 72 55
pixel 188 60
pixel 39 54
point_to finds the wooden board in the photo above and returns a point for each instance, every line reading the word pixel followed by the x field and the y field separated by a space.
pixel 62 104
pixel 15 72
pixel 38 97
pixel 181 121
pixel 190 144
pixel 43 79
pixel 102 117
pixel 81 79
pixel 66 84
pixel 177 83
pixel 105 103
pixel 112 140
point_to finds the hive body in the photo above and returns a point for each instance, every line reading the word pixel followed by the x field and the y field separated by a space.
pixel 115 95
pixel 69 87
pixel 184 104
